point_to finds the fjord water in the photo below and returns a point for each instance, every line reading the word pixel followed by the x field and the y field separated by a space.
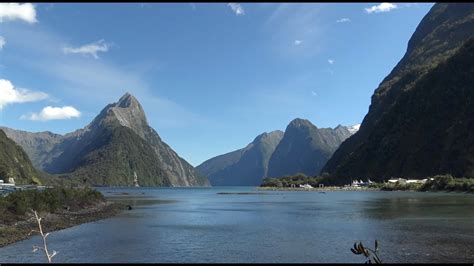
pixel 202 225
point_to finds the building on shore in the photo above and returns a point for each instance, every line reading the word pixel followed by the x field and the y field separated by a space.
pixel 306 186
pixel 408 181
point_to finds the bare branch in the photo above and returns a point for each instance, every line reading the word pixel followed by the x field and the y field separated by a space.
pixel 45 248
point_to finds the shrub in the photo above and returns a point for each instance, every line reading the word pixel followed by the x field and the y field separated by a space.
pixel 50 200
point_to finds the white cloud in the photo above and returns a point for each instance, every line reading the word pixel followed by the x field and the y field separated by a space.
pixel 331 61
pixel 102 79
pixel 2 42
pixel 9 94
pixel 237 8
pixel 298 42
pixel 383 7
pixel 88 49
pixel 343 20
pixel 53 113
pixel 14 11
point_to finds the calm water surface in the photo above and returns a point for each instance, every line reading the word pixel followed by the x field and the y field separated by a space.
pixel 200 225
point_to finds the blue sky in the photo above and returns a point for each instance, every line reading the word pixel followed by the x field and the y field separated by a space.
pixel 210 77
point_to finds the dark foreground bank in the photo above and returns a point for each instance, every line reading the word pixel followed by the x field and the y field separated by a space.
pixel 59 208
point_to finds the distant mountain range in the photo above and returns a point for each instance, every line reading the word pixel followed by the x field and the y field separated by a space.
pixel 117 144
pixel 302 148
pixel 421 119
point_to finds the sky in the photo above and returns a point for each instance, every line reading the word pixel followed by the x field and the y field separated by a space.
pixel 210 76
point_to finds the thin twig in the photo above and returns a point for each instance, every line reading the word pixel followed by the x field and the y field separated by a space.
pixel 45 248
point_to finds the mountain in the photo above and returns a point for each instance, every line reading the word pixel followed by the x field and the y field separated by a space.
pixel 421 117
pixel 243 167
pixel 353 129
pixel 305 148
pixel 301 148
pixel 115 145
pixel 38 146
pixel 14 163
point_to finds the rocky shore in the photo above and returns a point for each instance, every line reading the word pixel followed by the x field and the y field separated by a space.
pixel 10 233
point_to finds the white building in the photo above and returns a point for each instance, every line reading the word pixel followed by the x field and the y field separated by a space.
pixel 306 186
pixel 407 181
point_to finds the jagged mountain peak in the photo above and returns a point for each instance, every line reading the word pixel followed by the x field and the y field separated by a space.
pixel 127 101
pixel 340 127
pixel 278 134
pixel 300 122
pixel 128 112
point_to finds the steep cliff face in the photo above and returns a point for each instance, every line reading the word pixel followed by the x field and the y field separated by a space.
pixel 14 163
pixel 302 148
pixel 420 118
pixel 117 144
pixel 37 145
pixel 244 167
pixel 305 148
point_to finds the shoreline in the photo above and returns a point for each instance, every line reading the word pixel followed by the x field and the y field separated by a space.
pixel 10 234
pixel 327 189
pixel 324 189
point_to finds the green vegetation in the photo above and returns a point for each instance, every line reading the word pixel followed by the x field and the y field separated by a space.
pixel 448 183
pixel 62 207
pixel 18 203
pixel 439 183
pixel 14 163
pixel 112 157
pixel 296 180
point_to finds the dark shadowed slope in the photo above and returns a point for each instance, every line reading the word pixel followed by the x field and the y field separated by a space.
pixel 244 167
pixel 305 148
pixel 420 122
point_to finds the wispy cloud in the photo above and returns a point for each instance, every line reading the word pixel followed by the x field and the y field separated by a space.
pixel 289 22
pixel 88 49
pixel 43 55
pixel 49 7
pixel 2 42
pixel 331 61
pixel 53 113
pixel 16 11
pixel 237 8
pixel 9 94
pixel 343 20
pixel 382 7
